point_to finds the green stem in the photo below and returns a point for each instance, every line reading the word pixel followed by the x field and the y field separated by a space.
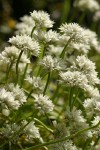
pixel 40 57
pixel 73 15
pixel 96 141
pixel 64 50
pixel 55 93
pixel 65 10
pixel 29 95
pixel 86 144
pixel 46 83
pixel 62 139
pixel 17 65
pixel 7 75
pixel 82 17
pixel 32 31
pixel 25 70
pixel 77 93
pixel 50 130
pixel 71 96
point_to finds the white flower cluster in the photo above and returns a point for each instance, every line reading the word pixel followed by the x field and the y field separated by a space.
pixel 79 122
pixel 43 103
pixel 61 131
pixel 87 67
pixel 96 131
pixel 35 82
pixel 63 55
pixel 25 27
pixel 91 5
pixel 74 78
pixel 10 55
pixel 52 63
pixel 70 34
pixel 11 97
pixel 25 43
pixel 72 31
pixel 81 74
pixel 42 19
pixel 31 130
pixel 47 37
pixel 92 106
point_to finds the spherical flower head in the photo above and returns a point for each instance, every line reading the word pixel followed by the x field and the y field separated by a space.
pixel 80 47
pixel 43 103
pixel 93 38
pixel 74 78
pixel 54 50
pixel 9 130
pixel 95 121
pixel 91 5
pixel 51 63
pixel 75 116
pixel 42 19
pixel 72 31
pixel 18 93
pixel 92 91
pixel 24 42
pixel 12 97
pixel 92 106
pixel 28 20
pixel 48 37
pixel 31 130
pixel 35 82
pixel 88 68
pixel 11 53
pixel 25 26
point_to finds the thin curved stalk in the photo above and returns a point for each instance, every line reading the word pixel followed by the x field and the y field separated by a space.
pixel 71 97
pixel 26 67
pixel 50 130
pixel 29 95
pixel 73 102
pixel 46 83
pixel 7 75
pixel 64 50
pixel 32 31
pixel 17 63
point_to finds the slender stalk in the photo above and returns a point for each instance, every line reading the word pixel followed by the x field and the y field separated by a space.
pixel 17 65
pixel 62 139
pixel 64 50
pixel 8 71
pixel 82 17
pixel 71 96
pixel 55 93
pixel 26 67
pixel 29 95
pixel 65 10
pixel 40 57
pixel 73 15
pixel 46 83
pixel 96 141
pixel 86 144
pixel 32 31
pixel 50 130
pixel 73 102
